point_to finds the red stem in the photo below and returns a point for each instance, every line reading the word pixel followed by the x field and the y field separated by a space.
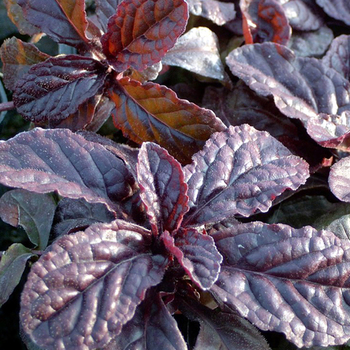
pixel 6 106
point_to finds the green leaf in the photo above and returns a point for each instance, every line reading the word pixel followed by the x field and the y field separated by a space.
pixel 12 265
pixel 32 211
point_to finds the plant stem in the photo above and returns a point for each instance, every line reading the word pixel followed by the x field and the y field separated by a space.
pixel 6 106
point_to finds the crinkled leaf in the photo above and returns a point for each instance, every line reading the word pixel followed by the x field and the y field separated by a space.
pixel 217 11
pixel 58 160
pixel 18 57
pixel 151 112
pixel 239 171
pixel 311 43
pixel 222 330
pixel 62 20
pixel 15 13
pixel 341 227
pixel 32 211
pixel 141 32
pixel 302 15
pixel 163 190
pixel 198 52
pixel 12 265
pixel 302 88
pixel 294 281
pixel 55 88
pixel 150 73
pixel 196 253
pixel 264 20
pixel 338 56
pixel 152 327
pixel 74 215
pixel 339 9
pixel 106 9
pixel 339 179
pixel 87 286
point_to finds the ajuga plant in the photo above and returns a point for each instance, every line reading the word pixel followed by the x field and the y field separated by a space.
pixel 127 242
pixel 109 74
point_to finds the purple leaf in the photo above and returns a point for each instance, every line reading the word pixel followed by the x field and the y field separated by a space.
pixel 18 57
pixel 338 56
pixel 198 52
pixel 294 281
pixel 239 171
pixel 142 31
pixel 44 161
pixel 196 253
pixel 264 20
pixel 106 9
pixel 339 179
pixel 12 265
pixel 339 9
pixel 152 327
pixel 217 11
pixel 311 43
pixel 163 190
pixel 74 215
pixel 63 20
pixel 55 88
pixel 222 330
pixel 84 289
pixel 302 88
pixel 32 211
pixel 302 15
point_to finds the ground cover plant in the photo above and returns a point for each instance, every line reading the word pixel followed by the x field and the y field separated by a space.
pixel 216 208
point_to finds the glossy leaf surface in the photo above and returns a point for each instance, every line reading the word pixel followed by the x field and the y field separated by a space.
pixel 152 327
pixel 12 265
pixel 17 57
pixel 264 20
pixel 196 253
pixel 163 190
pixel 302 15
pixel 141 32
pixel 239 171
pixel 294 281
pixel 222 330
pixel 339 9
pixel 87 286
pixel 152 112
pixel 302 88
pixel 217 11
pixel 32 211
pixel 339 179
pixel 57 160
pixel 197 51
pixel 63 20
pixel 57 87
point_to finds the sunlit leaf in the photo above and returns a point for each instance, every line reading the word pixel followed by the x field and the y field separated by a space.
pixel 141 32
pixel 63 20
pixel 151 112
pixel 17 58
pixel 84 289
pixel 198 52
pixel 54 89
